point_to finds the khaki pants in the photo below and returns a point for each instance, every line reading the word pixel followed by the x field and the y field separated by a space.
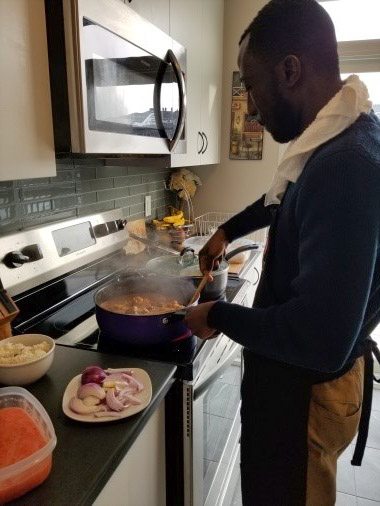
pixel 334 416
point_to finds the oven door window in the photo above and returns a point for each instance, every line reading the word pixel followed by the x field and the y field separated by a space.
pixel 129 91
pixel 221 406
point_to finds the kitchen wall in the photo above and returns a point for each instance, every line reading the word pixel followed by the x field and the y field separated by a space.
pixel 84 187
pixel 233 184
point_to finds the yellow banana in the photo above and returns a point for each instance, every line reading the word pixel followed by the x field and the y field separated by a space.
pixel 175 218
pixel 179 223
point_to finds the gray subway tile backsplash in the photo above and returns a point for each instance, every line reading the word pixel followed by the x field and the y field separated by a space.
pixel 92 185
pixel 96 208
pixel 84 173
pixel 113 193
pixel 8 197
pixel 111 171
pixel 47 191
pixel 139 189
pixel 82 187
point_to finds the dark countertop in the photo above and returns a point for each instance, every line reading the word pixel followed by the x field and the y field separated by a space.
pixel 87 454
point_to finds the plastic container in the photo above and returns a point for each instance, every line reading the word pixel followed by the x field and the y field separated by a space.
pixel 17 479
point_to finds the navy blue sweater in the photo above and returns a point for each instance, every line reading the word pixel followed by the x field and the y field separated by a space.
pixel 325 261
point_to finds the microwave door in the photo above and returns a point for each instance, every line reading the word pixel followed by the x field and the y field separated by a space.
pixel 120 95
pixel 121 79
pixel 170 89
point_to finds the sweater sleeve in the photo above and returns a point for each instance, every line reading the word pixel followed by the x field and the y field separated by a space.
pixel 252 218
pixel 337 218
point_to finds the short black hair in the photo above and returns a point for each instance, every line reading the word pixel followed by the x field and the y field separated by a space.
pixel 299 27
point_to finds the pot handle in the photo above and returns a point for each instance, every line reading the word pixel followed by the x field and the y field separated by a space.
pixel 174 317
pixel 187 257
pixel 240 249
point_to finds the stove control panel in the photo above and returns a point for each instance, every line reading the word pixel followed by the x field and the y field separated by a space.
pixel 109 227
pixel 41 254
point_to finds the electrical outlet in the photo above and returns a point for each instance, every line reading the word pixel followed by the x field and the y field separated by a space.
pixel 148 205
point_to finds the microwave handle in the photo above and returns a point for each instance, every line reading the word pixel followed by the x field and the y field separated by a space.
pixel 171 58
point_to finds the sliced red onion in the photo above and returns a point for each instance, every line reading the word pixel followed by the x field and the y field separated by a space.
pixel 115 376
pixel 101 414
pixel 91 389
pixel 78 406
pixel 91 401
pixel 110 370
pixel 112 402
pixel 93 374
pixel 132 399
pixel 134 381
pixel 126 390
pixel 115 384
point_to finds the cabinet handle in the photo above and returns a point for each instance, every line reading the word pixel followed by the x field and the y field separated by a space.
pixel 205 149
pixel 203 143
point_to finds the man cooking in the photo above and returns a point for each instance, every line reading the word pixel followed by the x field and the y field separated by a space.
pixel 306 347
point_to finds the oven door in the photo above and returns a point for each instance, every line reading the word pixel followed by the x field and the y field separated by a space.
pixel 212 425
pixel 126 85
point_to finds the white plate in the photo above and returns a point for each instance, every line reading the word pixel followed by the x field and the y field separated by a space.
pixel 145 397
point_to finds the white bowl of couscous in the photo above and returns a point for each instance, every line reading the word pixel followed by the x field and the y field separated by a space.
pixel 25 358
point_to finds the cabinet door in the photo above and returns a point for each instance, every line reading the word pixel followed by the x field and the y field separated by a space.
pixel 26 126
pixel 211 62
pixel 139 479
pixel 185 28
pixel 155 11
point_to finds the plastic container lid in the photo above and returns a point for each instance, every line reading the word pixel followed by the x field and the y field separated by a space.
pixel 16 477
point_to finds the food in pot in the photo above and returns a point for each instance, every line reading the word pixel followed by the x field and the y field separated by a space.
pixel 142 304
pixel 18 353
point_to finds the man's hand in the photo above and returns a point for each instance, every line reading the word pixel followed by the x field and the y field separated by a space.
pixel 211 253
pixel 196 319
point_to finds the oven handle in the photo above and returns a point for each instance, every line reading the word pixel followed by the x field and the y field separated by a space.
pixel 171 58
pixel 218 369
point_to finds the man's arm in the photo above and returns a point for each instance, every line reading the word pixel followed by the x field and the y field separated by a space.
pixel 252 218
pixel 338 215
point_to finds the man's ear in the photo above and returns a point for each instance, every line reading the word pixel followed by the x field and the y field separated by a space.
pixel 288 71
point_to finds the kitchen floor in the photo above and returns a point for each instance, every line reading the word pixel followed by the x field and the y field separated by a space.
pixel 356 486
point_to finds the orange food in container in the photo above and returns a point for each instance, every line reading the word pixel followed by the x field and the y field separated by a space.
pixel 27 440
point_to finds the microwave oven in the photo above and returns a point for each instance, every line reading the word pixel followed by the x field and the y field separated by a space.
pixel 117 81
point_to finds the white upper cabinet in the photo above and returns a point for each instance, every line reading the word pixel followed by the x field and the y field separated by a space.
pixel 26 126
pixel 155 11
pixel 198 25
pixel 211 63
pixel 185 23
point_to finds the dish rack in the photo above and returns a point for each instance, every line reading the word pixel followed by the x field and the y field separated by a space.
pixel 207 223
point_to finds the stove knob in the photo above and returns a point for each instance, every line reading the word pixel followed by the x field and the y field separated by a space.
pixel 15 259
pixel 121 224
pixel 101 230
pixel 33 251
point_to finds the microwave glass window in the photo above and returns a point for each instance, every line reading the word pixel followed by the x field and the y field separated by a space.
pixel 128 90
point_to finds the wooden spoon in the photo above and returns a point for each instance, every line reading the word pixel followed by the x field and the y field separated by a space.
pixel 199 289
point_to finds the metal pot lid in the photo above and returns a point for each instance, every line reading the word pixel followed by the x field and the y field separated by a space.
pixel 172 266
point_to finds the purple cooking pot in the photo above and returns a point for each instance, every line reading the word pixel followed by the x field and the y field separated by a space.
pixel 142 330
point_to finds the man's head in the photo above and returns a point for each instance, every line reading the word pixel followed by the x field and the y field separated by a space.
pixel 288 62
